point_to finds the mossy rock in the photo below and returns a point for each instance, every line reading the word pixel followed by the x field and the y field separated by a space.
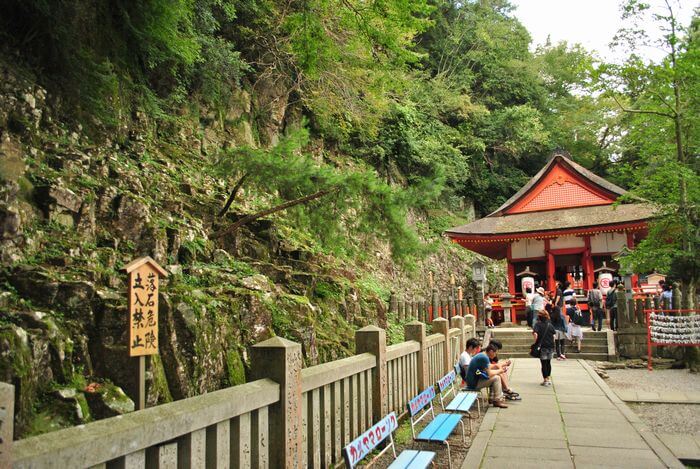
pixel 107 400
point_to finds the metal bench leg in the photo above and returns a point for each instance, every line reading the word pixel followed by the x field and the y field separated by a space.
pixel 449 456
pixel 462 424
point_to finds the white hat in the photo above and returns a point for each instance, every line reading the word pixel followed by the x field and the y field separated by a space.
pixel 540 290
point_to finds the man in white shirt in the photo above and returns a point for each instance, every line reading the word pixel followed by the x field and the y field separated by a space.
pixel 473 347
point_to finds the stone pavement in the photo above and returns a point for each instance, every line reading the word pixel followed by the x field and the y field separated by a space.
pixel 579 422
pixel 685 447
pixel 668 397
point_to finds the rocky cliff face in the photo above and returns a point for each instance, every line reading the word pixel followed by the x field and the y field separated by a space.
pixel 75 207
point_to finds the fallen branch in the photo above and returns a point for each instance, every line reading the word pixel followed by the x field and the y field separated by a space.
pixel 278 208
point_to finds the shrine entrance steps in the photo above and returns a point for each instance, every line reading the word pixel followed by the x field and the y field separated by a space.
pixel 516 344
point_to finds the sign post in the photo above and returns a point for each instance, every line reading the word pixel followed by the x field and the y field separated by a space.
pixel 144 275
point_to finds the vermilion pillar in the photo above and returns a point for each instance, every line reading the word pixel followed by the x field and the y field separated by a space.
pixel 511 273
pixel 587 264
pixel 550 266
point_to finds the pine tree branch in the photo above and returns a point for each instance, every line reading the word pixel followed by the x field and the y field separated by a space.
pixel 277 208
pixel 642 111
pixel 233 195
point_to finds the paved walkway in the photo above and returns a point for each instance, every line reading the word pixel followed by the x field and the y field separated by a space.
pixel 686 447
pixel 668 397
pixel 579 422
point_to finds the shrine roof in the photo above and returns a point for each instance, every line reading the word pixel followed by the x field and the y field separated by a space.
pixel 590 189
pixel 554 220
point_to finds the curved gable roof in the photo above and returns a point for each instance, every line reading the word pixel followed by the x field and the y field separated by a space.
pixel 597 183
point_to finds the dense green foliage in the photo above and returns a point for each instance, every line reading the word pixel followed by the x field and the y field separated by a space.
pixel 659 149
pixel 418 94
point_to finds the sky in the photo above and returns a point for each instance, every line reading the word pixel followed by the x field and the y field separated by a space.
pixel 592 23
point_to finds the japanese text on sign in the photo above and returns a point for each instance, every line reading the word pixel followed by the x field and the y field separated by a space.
pixel 421 400
pixel 143 311
pixel 363 444
pixel 447 380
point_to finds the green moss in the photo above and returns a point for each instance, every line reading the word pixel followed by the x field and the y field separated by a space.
pixel 160 381
pixel 235 367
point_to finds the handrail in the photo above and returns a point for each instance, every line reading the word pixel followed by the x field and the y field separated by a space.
pixel 434 339
pixel 327 373
pixel 104 440
pixel 402 349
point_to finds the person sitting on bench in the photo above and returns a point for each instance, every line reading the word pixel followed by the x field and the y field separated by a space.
pixel 473 347
pixel 480 375
pixel 503 365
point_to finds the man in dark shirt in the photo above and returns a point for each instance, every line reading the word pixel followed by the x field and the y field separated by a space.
pixel 480 375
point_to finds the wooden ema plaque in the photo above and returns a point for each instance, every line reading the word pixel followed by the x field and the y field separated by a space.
pixel 144 275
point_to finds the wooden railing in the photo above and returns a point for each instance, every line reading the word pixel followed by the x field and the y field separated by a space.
pixel 402 384
pixel 337 407
pixel 286 417
pixel 226 428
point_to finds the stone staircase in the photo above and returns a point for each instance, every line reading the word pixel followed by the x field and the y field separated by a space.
pixel 516 344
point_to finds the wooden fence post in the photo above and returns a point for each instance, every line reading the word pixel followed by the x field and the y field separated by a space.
pixel 7 419
pixel 458 322
pixel 393 303
pixel 436 305
pixel 470 320
pixel 442 326
pixel 280 360
pixel 372 339
pixel 415 330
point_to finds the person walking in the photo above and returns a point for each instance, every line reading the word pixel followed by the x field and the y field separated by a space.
pixel 611 304
pixel 559 321
pixel 544 340
pixel 538 301
pixel 575 322
pixel 531 319
pixel 595 301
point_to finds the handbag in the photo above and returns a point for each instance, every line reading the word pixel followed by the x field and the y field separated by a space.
pixel 535 350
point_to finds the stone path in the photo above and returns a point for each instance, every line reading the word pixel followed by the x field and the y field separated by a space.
pixel 579 422
pixel 686 447
pixel 669 397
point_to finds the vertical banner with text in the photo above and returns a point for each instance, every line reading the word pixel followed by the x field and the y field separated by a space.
pixel 144 276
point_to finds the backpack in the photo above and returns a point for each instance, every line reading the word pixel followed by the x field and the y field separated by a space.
pixel 594 298
pixel 576 317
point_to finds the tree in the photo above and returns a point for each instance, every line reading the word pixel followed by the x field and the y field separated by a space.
pixel 336 204
pixel 660 101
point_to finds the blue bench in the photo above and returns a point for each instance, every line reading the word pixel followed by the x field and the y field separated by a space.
pixel 369 440
pixel 442 425
pixel 462 401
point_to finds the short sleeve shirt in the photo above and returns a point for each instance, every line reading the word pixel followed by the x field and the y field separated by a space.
pixel 568 294
pixel 464 360
pixel 478 368
pixel 537 302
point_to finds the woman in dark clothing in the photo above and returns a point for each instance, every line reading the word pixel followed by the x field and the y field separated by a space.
pixel 544 338
pixel 559 323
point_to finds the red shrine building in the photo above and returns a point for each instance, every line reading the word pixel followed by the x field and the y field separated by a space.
pixel 562 225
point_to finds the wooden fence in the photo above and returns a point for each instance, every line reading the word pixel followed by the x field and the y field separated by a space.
pixel 286 417
pixel 442 304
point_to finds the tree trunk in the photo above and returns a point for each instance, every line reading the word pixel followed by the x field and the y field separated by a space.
pixel 278 208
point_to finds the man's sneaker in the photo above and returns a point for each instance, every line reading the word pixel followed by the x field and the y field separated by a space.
pixel 547 383
pixel 562 356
